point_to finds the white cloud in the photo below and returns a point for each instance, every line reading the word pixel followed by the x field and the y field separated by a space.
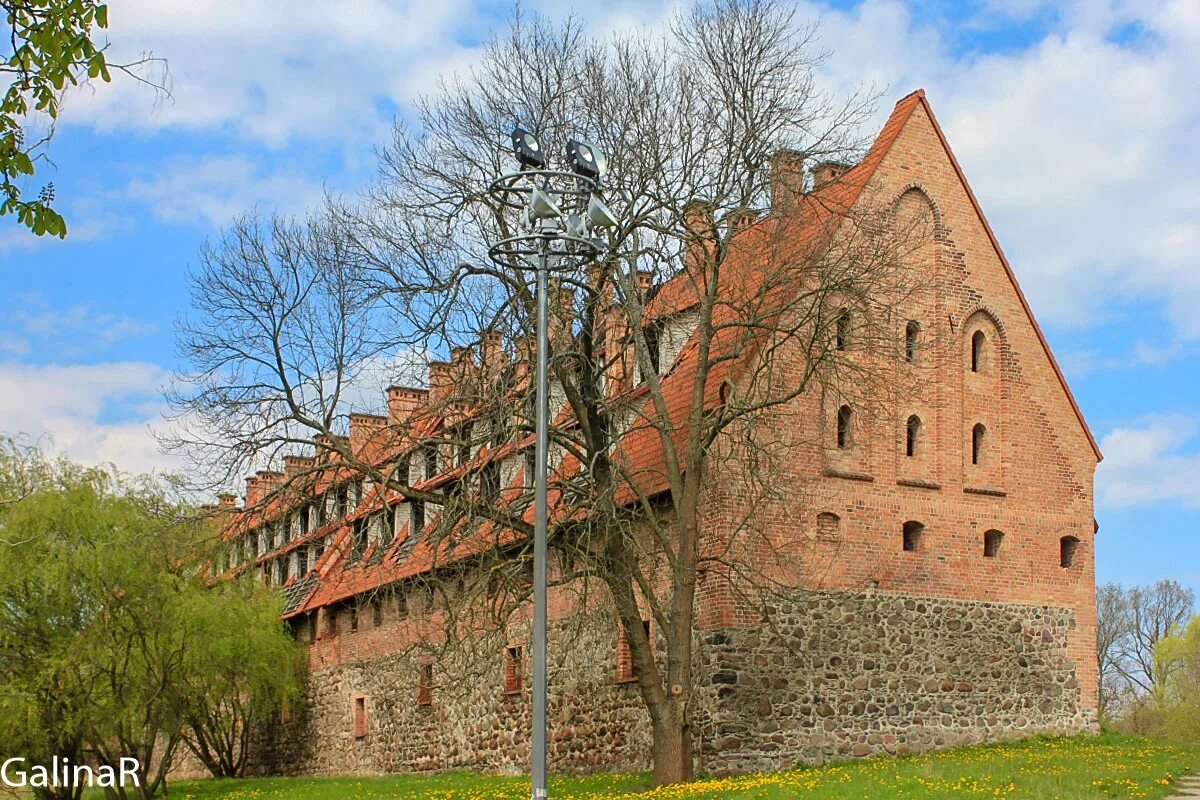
pixel 1079 148
pixel 212 190
pixel 100 327
pixel 72 408
pixel 1147 463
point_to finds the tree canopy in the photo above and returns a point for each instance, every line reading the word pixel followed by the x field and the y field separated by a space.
pixel 112 639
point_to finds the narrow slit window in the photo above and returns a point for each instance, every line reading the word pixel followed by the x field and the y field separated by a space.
pixel 912 332
pixel 844 418
pixel 912 436
pixel 425 685
pixel 978 433
pixel 842 330
pixel 360 717
pixel 514 679
pixel 978 341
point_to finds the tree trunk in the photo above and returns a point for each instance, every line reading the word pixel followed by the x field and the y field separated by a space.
pixel 672 749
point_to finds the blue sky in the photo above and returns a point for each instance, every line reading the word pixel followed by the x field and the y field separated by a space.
pixel 1075 123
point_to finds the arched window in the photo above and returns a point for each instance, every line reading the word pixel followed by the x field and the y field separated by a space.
pixel 1067 546
pixel 912 433
pixel 912 536
pixel 991 543
pixel 844 417
pixel 911 331
pixel 827 525
pixel 842 332
pixel 977 435
pixel 978 340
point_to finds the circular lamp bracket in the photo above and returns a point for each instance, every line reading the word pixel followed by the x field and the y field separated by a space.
pixel 564 251
pixel 512 190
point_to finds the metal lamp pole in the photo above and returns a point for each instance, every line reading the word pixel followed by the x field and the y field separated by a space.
pixel 559 212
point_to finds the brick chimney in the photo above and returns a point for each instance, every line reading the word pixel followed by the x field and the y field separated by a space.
pixel 363 427
pixel 698 222
pixel 562 314
pixel 491 355
pixel 403 401
pixel 828 172
pixel 441 381
pixel 741 218
pixel 253 494
pixel 227 500
pixel 787 178
pixel 269 481
pixel 645 279
pixel 294 465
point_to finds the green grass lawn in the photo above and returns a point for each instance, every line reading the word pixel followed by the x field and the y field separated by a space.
pixel 1103 766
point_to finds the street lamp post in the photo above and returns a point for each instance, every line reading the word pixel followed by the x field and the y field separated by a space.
pixel 559 212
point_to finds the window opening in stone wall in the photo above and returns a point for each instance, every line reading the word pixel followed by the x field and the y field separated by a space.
pixel 912 433
pixel 425 685
pixel 1067 546
pixel 977 435
pixel 911 332
pixel 978 340
pixel 625 670
pixel 912 533
pixel 376 611
pixel 360 717
pixel 331 622
pixel 991 543
pixel 844 418
pixel 402 603
pixel 513 677
pixel 353 618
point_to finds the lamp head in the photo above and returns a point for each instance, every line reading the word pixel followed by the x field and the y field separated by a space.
pixel 527 149
pixel 586 159
pixel 598 213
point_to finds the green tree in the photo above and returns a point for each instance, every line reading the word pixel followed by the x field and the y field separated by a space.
pixel 1177 701
pixel 111 635
pixel 52 46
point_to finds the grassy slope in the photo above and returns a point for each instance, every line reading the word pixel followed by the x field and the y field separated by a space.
pixel 1107 766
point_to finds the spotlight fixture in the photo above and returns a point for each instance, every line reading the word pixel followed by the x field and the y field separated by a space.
pixel 527 149
pixel 541 206
pixel 598 213
pixel 586 159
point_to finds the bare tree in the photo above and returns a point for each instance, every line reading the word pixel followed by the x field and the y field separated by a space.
pixel 698 345
pixel 1129 624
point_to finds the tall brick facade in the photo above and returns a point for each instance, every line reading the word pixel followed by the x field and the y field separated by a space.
pixel 947 594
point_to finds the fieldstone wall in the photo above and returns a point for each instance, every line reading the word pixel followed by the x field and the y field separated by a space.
pixel 841 675
pixel 837 675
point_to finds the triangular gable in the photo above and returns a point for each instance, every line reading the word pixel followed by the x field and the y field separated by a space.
pixel 911 101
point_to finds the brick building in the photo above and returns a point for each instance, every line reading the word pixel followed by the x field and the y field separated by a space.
pixel 949 592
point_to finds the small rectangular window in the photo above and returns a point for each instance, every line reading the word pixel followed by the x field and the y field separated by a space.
pixel 354 619
pixel 425 685
pixel 377 612
pixel 402 603
pixel 360 717
pixel 625 670
pixel 514 679
pixel 416 513
pixel 431 460
pixel 331 622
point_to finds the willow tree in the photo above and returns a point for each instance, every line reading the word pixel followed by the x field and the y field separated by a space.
pixel 678 354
